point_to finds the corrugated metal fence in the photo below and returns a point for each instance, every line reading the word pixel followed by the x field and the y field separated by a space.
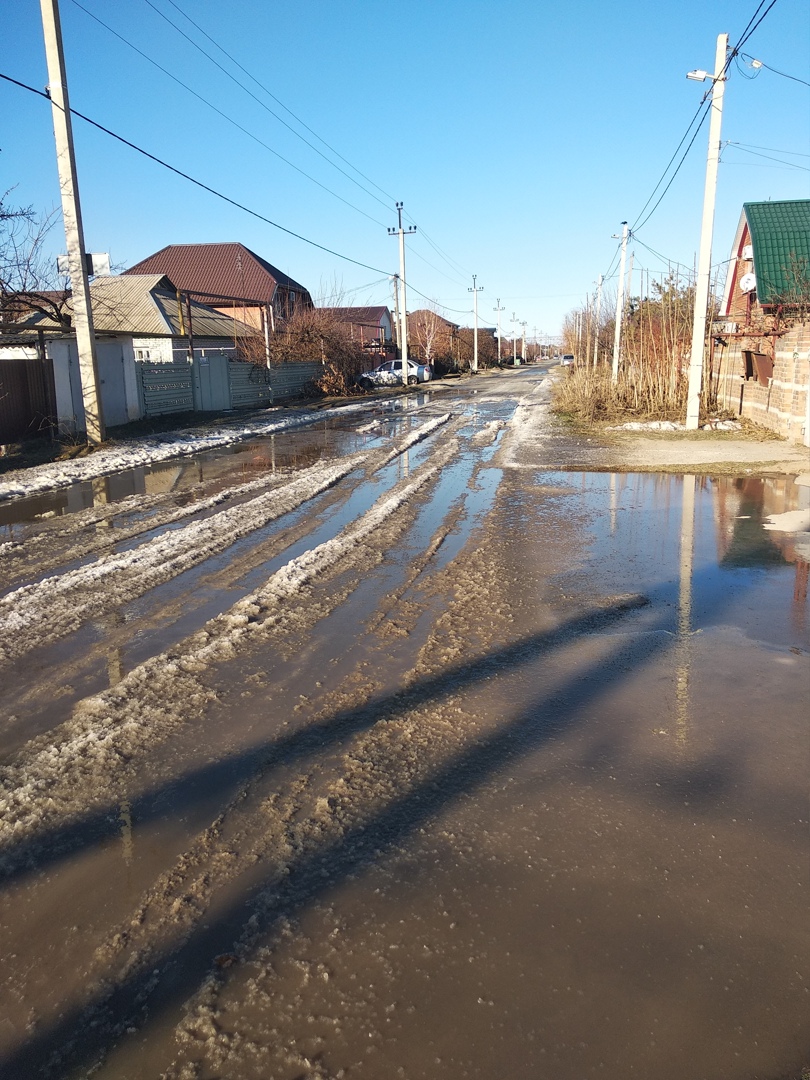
pixel 292 380
pixel 27 397
pixel 168 388
pixel 164 388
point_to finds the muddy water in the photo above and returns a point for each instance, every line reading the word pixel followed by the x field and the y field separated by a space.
pixel 214 469
pixel 539 814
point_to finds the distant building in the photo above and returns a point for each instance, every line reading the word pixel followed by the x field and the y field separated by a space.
pixel 370 326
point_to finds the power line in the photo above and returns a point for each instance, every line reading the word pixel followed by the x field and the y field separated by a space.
pixel 773 149
pixel 790 164
pixel 258 100
pixel 224 115
pixel 705 106
pixel 784 75
pixel 199 183
pixel 278 100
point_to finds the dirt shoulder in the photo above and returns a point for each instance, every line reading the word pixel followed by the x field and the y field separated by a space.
pixel 706 452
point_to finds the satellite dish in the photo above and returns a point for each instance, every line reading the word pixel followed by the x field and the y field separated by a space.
pixel 748 282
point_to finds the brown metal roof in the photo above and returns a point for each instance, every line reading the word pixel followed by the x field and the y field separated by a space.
pixel 216 272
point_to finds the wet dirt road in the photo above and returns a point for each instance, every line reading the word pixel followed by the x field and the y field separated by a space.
pixel 391 747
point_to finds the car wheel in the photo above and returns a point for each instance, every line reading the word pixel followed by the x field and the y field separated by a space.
pixel 412 380
pixel 366 384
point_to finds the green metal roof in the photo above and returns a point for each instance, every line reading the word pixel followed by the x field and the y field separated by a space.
pixel 780 234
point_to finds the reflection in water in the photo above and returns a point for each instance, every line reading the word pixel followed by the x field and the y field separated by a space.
pixel 745 538
pixel 683 646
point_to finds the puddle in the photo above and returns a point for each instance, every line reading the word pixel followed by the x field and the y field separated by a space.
pixel 218 468
pixel 742 571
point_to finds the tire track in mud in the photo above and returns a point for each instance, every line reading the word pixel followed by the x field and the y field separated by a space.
pixel 40 551
pixel 286 820
pixel 40 613
pixel 59 777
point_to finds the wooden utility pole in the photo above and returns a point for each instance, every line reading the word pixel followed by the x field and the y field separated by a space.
pixel 72 216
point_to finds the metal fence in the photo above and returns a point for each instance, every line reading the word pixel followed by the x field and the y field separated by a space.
pixel 27 397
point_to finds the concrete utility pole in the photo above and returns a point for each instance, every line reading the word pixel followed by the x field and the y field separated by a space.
pixel 475 290
pixel 397 327
pixel 403 334
pixel 598 313
pixel 72 216
pixel 706 230
pixel 514 340
pixel 498 309
pixel 523 343
pixel 617 337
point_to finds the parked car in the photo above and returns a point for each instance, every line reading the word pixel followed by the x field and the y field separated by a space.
pixel 567 359
pixel 390 374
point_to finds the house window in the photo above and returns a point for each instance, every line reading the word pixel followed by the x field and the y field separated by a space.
pixel 141 354
pixel 291 302
pixel 758 367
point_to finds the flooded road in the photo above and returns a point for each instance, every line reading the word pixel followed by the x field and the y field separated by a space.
pixel 397 749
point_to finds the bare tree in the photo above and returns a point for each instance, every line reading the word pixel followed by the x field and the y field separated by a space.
pixel 29 282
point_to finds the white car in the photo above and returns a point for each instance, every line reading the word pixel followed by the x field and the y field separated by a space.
pixel 390 374
pixel 567 360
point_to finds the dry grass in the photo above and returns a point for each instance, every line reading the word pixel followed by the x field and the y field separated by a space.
pixel 639 393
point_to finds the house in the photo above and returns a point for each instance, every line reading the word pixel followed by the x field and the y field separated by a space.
pixel 371 326
pixel 230 278
pixel 157 351
pixel 760 348
pixel 431 336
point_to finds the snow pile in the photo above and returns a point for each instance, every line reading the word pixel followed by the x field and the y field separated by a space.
pixel 487 434
pixel 649 425
pixel 148 451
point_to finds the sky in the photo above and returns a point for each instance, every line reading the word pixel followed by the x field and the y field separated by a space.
pixel 519 136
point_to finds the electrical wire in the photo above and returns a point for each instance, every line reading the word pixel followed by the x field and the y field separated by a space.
pixel 772 149
pixel 790 164
pixel 224 115
pixel 784 75
pixel 705 106
pixel 199 183
pixel 258 100
pixel 278 100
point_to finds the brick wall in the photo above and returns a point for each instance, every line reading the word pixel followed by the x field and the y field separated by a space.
pixel 746 386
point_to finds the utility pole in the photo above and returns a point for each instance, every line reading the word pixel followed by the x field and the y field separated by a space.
pixel 397 328
pixel 514 340
pixel 523 343
pixel 475 290
pixel 706 230
pixel 598 313
pixel 72 217
pixel 498 309
pixel 617 337
pixel 403 334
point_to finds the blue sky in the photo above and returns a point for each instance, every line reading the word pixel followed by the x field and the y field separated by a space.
pixel 518 135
